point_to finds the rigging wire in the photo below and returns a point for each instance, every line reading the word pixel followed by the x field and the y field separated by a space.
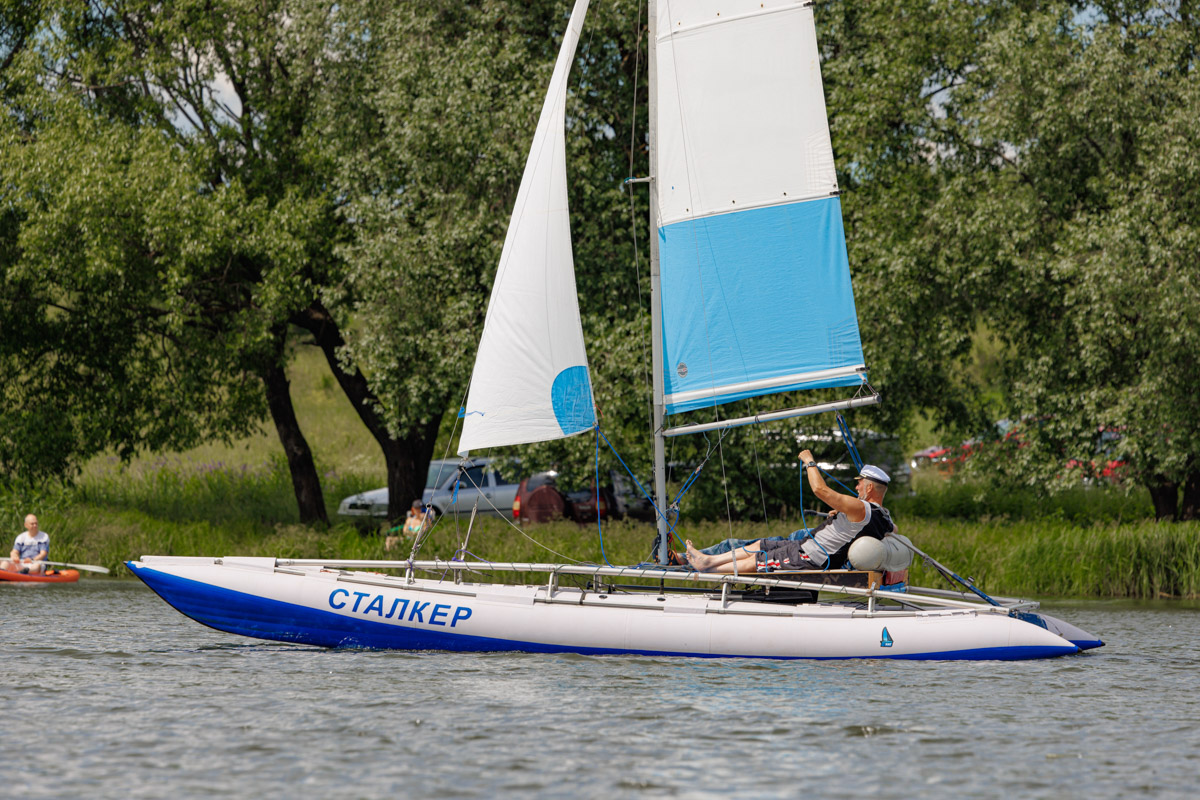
pixel 637 265
pixel 725 486
pixel 849 441
pixel 691 479
pixel 514 526
pixel 599 527
pixel 659 512
pixel 762 494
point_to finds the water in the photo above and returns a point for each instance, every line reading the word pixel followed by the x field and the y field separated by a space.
pixel 113 694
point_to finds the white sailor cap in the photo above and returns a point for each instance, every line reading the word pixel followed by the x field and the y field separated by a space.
pixel 874 473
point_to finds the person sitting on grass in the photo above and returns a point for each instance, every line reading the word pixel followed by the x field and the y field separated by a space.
pixel 416 522
pixel 418 519
pixel 825 546
pixel 30 550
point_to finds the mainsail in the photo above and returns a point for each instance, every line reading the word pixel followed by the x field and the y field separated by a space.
pixel 756 295
pixel 531 381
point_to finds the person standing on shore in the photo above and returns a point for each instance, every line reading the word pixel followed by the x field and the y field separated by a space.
pixel 30 550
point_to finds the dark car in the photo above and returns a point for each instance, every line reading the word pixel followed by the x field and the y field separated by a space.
pixel 582 504
pixel 541 498
pixel 538 499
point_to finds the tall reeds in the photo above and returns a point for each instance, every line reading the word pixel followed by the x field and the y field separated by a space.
pixel 1143 559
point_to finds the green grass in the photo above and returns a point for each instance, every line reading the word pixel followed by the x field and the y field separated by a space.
pixel 176 490
pixel 336 435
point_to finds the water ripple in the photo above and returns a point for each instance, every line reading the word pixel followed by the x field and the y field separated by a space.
pixel 141 702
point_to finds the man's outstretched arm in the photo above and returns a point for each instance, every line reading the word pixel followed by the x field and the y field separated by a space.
pixel 846 504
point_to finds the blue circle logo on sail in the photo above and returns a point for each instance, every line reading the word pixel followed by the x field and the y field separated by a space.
pixel 571 396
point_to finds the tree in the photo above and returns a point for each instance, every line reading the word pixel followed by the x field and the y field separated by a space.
pixel 889 70
pixel 1076 189
pixel 235 222
pixel 176 218
pixel 457 93
pixel 92 355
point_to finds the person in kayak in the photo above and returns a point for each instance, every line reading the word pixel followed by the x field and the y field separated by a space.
pixel 825 546
pixel 30 550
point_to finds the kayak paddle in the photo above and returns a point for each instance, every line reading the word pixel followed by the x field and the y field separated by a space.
pixel 86 567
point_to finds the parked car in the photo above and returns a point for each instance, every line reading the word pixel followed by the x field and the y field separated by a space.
pixel 541 498
pixel 481 482
pixel 1107 465
pixel 538 499
pixel 934 454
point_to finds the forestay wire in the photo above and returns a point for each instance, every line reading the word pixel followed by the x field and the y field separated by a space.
pixel 659 512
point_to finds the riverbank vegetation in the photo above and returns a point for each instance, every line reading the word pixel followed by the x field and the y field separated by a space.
pixel 1097 542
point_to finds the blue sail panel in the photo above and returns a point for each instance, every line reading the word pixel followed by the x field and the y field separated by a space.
pixel 757 302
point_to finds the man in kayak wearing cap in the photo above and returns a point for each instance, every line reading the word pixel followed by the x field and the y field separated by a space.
pixel 826 545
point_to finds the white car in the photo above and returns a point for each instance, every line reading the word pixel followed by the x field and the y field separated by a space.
pixel 479 482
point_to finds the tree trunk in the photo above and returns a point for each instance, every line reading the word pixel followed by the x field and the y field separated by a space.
pixel 305 481
pixel 1165 495
pixel 1191 497
pixel 407 464
pixel 407 458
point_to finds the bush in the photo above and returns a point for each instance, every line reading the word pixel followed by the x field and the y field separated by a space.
pixel 955 498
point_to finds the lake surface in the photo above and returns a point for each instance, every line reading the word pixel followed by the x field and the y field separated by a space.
pixel 113 694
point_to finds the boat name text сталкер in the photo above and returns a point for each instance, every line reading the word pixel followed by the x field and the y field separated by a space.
pixel 438 615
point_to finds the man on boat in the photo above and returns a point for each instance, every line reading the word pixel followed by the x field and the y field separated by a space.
pixel 30 550
pixel 826 545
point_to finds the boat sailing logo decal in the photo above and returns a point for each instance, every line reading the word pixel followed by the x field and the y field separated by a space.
pixel 438 615
pixel 571 399
pixel 886 641
pixel 682 369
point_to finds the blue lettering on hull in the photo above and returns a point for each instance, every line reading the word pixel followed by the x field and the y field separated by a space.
pixel 338 599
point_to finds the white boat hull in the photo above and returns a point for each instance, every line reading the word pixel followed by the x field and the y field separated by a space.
pixel 335 608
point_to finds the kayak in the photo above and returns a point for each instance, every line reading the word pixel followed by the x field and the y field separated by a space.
pixel 50 576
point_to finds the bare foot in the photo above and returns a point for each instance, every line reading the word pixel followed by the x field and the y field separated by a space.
pixel 698 560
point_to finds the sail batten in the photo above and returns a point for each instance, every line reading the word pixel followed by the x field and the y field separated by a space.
pixel 756 293
pixel 843 376
pixel 531 382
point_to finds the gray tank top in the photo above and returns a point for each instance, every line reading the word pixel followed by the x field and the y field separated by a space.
pixel 833 535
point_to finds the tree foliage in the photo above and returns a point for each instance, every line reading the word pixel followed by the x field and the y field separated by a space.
pixel 167 228
pixel 1074 175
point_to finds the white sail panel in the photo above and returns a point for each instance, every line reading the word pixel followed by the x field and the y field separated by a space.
pixel 741 108
pixel 530 382
pixel 756 296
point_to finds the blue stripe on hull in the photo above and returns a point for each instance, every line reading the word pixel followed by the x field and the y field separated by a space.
pixel 756 295
pixel 261 618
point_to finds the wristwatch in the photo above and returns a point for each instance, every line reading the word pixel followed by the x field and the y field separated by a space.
pixel 810 464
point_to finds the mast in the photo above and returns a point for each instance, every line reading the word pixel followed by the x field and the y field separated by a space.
pixel 660 447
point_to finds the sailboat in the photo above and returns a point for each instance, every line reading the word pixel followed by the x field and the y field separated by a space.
pixel 751 298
